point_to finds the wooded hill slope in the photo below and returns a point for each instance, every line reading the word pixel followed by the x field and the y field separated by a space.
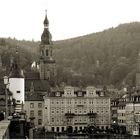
pixel 102 58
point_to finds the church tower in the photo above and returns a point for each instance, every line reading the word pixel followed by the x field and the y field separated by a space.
pixel 138 72
pixel 47 63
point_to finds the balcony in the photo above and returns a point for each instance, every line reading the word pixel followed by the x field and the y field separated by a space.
pixel 80 105
pixel 69 115
pixel 92 115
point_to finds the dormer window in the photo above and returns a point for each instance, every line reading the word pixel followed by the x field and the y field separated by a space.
pixel 80 93
pixel 68 93
pixel 57 93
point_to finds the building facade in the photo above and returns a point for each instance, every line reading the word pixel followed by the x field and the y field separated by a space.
pixel 34 111
pixel 114 108
pixel 121 114
pixel 34 102
pixel 133 114
pixel 75 109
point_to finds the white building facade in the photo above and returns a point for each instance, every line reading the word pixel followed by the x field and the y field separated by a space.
pixel 76 109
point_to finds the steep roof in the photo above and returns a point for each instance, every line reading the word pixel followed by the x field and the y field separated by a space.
pixel 32 75
pixel 35 96
pixel 39 85
pixel 15 72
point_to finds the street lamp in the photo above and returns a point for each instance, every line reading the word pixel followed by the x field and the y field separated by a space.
pixel 6 82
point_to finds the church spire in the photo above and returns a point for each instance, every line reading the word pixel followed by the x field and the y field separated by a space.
pixel 46 21
pixel 15 71
pixel 46 37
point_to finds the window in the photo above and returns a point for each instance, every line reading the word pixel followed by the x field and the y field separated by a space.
pixel 52 129
pixel 42 52
pixel 79 93
pixel 46 52
pixel 39 105
pixel 52 119
pixel 69 92
pixel 57 93
pixel 62 129
pixel 18 101
pixel 32 113
pixel 39 121
pixel 57 129
pixel 31 105
pixel 18 91
pixel 39 112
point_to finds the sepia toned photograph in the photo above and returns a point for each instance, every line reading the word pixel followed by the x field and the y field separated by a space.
pixel 69 69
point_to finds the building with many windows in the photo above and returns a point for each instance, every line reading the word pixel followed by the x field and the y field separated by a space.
pixel 34 109
pixel 121 111
pixel 74 109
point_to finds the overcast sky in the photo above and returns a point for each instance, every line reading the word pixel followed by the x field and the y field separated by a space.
pixel 23 19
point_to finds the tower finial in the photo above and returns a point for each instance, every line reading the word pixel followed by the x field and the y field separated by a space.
pixel 46 22
pixel 46 36
pixel 45 12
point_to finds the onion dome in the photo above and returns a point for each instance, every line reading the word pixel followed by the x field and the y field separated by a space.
pixel 46 21
pixel 46 37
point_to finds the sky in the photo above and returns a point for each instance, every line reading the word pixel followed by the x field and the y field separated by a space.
pixel 23 19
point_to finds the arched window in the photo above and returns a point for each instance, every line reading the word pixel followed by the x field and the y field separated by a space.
pixel 42 53
pixel 46 52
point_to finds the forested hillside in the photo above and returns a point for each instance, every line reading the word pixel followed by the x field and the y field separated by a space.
pixel 107 57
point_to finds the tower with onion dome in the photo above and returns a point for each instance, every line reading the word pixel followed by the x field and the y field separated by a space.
pixel 47 63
